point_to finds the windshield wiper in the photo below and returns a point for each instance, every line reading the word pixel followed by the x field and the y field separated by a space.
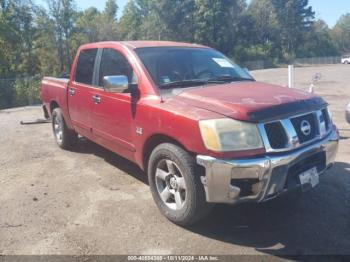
pixel 196 82
pixel 228 79
pixel 183 83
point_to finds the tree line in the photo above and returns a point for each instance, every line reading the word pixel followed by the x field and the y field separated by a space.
pixel 38 40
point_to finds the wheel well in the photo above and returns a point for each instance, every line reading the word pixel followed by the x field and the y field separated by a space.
pixel 53 105
pixel 155 141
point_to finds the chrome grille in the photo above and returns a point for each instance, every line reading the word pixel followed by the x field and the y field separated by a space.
pixel 291 133
pixel 277 135
pixel 310 119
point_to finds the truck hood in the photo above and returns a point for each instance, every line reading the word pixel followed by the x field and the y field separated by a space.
pixel 251 101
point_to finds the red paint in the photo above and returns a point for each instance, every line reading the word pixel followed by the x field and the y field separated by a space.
pixel 114 121
pixel 238 99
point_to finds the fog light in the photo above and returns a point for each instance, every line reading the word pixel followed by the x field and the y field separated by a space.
pixel 246 185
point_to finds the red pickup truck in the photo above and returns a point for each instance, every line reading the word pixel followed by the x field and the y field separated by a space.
pixel 201 127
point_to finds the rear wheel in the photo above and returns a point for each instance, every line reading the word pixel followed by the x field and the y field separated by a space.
pixel 176 186
pixel 65 138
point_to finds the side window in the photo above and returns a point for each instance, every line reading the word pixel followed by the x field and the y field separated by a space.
pixel 85 66
pixel 112 64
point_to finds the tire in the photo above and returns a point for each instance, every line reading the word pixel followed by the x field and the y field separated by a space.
pixel 65 138
pixel 183 202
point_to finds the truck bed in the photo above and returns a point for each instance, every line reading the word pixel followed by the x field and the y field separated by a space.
pixel 58 80
pixel 53 93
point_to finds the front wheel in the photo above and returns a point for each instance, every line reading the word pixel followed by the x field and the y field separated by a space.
pixel 65 138
pixel 176 186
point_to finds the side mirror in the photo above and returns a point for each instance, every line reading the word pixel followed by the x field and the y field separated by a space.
pixel 116 84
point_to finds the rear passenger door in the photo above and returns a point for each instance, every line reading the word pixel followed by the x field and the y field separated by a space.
pixel 112 115
pixel 80 91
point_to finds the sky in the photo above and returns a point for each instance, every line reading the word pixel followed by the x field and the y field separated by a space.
pixel 330 11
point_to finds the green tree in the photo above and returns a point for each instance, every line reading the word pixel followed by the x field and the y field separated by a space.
pixel 93 26
pixel 217 22
pixel 151 27
pixel 17 30
pixel 16 38
pixel 318 42
pixel 8 35
pixel 45 43
pixel 341 33
pixel 131 21
pixel 111 9
pixel 141 20
pixel 86 30
pixel 256 34
pixel 176 19
pixel 264 21
pixel 62 12
pixel 295 18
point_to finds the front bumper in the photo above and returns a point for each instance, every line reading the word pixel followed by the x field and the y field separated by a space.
pixel 226 181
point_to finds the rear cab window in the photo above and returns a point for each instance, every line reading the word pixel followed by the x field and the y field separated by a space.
pixel 85 66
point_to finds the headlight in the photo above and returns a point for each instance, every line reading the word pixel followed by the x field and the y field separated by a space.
pixel 225 135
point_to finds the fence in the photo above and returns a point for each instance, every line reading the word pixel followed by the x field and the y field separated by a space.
pixel 254 65
pixel 318 60
pixel 265 64
pixel 19 91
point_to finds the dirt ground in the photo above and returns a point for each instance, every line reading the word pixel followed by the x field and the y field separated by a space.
pixel 91 201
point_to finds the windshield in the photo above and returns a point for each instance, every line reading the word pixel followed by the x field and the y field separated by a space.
pixel 183 67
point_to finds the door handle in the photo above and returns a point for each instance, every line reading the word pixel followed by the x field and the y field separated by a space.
pixel 71 91
pixel 96 99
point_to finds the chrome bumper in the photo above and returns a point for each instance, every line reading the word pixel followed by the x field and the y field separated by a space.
pixel 268 175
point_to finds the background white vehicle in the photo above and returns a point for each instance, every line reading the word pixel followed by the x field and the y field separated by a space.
pixel 348 113
pixel 345 60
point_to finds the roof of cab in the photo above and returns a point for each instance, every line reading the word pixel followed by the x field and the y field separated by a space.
pixel 143 44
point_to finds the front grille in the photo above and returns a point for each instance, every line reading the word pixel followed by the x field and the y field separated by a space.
pixel 276 135
pixel 318 160
pixel 290 133
pixel 310 121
